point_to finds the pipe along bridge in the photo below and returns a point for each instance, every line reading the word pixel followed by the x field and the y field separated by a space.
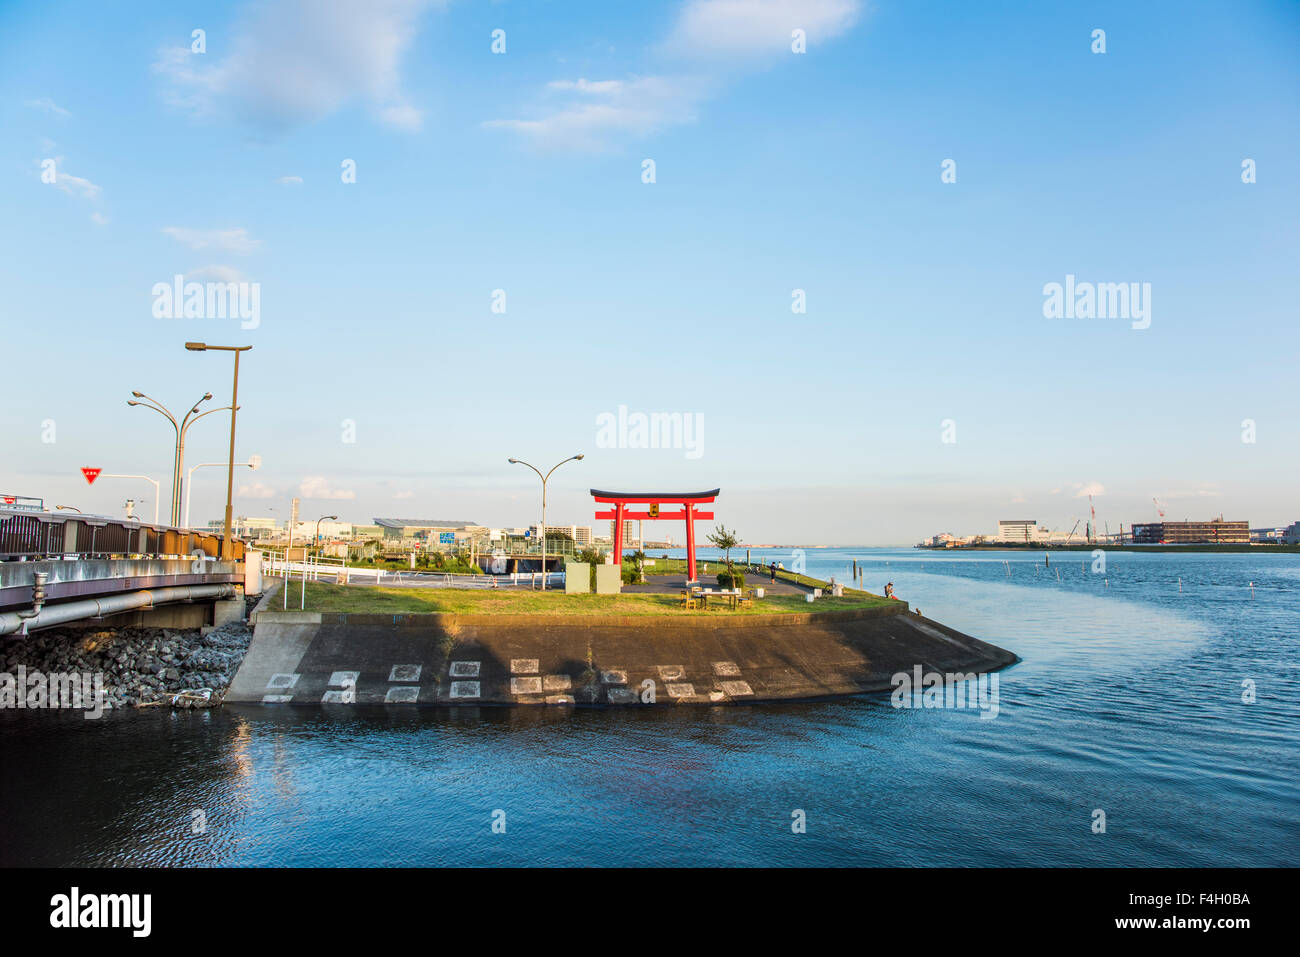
pixel 57 569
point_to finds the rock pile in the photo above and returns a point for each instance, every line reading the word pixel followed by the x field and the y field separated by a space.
pixel 183 668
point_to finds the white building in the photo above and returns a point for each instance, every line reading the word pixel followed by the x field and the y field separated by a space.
pixel 1020 530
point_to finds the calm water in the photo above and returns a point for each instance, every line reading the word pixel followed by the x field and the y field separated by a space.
pixel 1128 700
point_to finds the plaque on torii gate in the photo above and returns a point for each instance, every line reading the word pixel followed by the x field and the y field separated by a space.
pixel 654 501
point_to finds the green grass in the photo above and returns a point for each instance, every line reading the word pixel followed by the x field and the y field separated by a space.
pixel 365 599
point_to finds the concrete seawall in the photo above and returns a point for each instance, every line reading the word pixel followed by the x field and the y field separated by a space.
pixel 443 659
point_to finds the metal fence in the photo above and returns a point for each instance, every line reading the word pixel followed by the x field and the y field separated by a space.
pixel 30 536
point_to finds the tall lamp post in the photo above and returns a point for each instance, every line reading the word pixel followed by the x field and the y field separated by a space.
pixel 227 548
pixel 181 427
pixel 571 458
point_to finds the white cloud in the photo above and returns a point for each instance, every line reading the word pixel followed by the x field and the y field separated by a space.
pixel 215 273
pixel 1088 488
pixel 99 219
pixel 403 495
pixel 289 180
pixel 296 61
pixel 744 27
pixel 48 105
pixel 74 185
pixel 255 490
pixel 596 113
pixel 316 486
pixel 593 113
pixel 1199 490
pixel 228 240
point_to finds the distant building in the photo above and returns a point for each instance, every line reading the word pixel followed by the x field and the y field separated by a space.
pixel 255 528
pixel 581 534
pixel 1291 534
pixel 1215 531
pixel 422 528
pixel 1018 530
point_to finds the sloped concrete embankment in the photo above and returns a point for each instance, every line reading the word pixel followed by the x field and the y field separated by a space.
pixel 307 658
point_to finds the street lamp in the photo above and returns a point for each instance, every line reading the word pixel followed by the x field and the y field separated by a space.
pixel 157 487
pixel 571 458
pixel 69 508
pixel 227 549
pixel 181 427
pixel 332 518
pixel 253 463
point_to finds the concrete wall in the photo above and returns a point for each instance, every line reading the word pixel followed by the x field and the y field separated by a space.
pixel 312 658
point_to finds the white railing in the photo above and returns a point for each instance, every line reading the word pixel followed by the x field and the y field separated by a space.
pixel 314 568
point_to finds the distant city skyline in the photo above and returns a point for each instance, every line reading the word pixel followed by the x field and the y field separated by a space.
pixel 871 294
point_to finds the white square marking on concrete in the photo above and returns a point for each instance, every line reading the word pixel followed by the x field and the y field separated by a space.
pixel 622 696
pixel 464 669
pixel 283 681
pixel 557 683
pixel 682 689
pixel 344 679
pixel 726 669
pixel 464 689
pixel 672 672
pixel 523 666
pixel 339 697
pixel 276 698
pixel 405 673
pixel 526 685
pixel 615 676
pixel 402 694
pixel 736 688
pixel 560 699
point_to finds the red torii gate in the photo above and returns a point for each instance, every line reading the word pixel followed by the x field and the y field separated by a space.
pixel 688 501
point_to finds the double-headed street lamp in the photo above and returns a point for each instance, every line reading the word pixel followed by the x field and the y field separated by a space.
pixel 181 427
pixel 571 458
pixel 227 549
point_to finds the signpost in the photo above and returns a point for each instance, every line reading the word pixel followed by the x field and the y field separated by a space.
pixel 90 474
pixel 446 538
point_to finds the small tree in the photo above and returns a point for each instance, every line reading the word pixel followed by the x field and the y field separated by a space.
pixel 726 540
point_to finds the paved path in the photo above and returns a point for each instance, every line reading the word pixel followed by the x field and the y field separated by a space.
pixel 673 584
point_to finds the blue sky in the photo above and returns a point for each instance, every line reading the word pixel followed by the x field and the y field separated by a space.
pixel 774 171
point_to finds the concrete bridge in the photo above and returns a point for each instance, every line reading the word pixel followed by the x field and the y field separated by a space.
pixel 57 569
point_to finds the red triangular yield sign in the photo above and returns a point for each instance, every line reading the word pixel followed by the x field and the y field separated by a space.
pixel 91 475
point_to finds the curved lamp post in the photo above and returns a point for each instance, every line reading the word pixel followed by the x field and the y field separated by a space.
pixel 157 488
pixel 332 518
pixel 571 458
pixel 181 427
pixel 253 462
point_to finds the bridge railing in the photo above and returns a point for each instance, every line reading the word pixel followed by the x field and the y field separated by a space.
pixel 28 536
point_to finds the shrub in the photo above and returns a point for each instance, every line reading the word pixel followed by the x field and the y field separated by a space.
pixel 730 580
pixel 631 574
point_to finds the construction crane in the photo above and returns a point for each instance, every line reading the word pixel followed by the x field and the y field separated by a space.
pixel 1159 511
pixel 1072 531
pixel 1092 529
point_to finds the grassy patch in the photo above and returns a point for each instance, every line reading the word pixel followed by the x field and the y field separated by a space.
pixel 365 599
